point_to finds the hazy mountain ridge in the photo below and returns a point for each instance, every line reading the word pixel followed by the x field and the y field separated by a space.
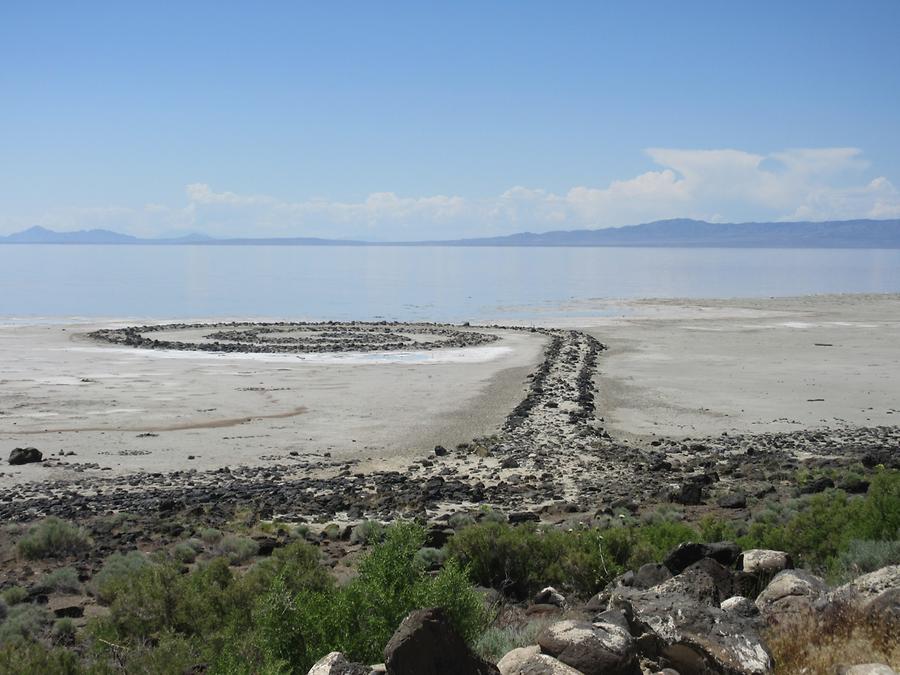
pixel 682 232
pixel 698 233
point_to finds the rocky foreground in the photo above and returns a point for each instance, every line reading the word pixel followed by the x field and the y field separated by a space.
pixel 688 615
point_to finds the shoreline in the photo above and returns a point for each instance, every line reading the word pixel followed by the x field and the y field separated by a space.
pixel 442 401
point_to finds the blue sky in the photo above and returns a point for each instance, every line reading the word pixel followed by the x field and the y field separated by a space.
pixel 422 120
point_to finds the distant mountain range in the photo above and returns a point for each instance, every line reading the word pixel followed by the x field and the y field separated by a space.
pixel 41 235
pixel 680 232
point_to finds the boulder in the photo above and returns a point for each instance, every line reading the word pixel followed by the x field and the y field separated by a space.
pixel 426 644
pixel 706 581
pixel 692 637
pixel 738 604
pixel 613 616
pixel 336 663
pixel 790 595
pixel 592 648
pixel 733 500
pixel 885 607
pixel 686 554
pixel 650 575
pixel 266 545
pixel 530 661
pixel 689 494
pixel 760 560
pixel 69 610
pixel 25 456
pixel 550 596
pixel 865 588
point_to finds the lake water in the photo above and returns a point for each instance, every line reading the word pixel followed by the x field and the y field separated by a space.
pixel 422 283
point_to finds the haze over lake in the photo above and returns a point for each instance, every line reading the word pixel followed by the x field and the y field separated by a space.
pixel 441 284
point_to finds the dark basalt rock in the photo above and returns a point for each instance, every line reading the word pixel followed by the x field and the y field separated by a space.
pixel 695 637
pixel 685 555
pixel 650 575
pixel 69 611
pixel 591 648
pixel 689 494
pixel 733 500
pixel 25 456
pixel 426 644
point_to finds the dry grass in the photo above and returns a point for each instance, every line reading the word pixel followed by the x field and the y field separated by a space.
pixel 841 636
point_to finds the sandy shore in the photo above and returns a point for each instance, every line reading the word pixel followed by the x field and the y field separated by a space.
pixel 132 410
pixel 699 368
pixel 673 368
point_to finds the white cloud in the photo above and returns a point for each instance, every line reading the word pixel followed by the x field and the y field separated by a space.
pixel 720 184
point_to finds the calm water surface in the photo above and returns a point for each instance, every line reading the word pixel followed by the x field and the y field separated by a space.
pixel 445 284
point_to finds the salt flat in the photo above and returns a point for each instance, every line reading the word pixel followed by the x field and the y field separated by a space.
pixel 142 410
pixel 673 368
pixel 700 368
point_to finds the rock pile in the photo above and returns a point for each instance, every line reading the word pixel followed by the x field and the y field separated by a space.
pixel 688 624
pixel 297 337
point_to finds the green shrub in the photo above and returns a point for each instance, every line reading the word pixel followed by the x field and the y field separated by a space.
pixel 237 549
pixel 183 552
pixel 4 608
pixel 431 558
pixel 143 603
pixel 497 641
pixel 24 622
pixel 210 602
pixel 158 598
pixel 116 574
pixel 863 556
pixel 521 559
pixel 210 536
pixel 166 655
pixel 663 514
pixel 14 595
pixel 34 657
pixel 291 631
pixel 299 566
pixel 332 531
pixel 62 580
pixel 53 538
pixel 275 527
pixel 817 530
pixel 459 520
pixel 489 515
pixel 714 529
pixel 881 511
pixel 367 532
pixel 63 631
